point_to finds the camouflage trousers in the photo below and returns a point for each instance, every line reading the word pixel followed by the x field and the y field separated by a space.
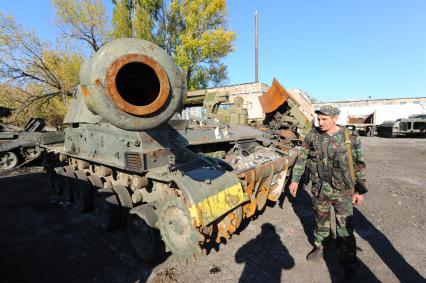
pixel 324 197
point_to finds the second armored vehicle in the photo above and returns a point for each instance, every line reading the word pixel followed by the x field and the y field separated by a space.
pixel 414 126
pixel 19 146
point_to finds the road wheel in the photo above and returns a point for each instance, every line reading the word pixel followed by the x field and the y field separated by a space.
pixel 58 180
pixel 52 176
pixel 69 184
pixel 84 192
pixel 176 228
pixel 107 210
pixel 96 184
pixel 8 160
pixel 145 237
pixel 125 201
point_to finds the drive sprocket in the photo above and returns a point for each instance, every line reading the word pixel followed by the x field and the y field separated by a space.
pixel 177 231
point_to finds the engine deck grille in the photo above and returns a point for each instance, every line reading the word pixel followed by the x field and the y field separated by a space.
pixel 133 161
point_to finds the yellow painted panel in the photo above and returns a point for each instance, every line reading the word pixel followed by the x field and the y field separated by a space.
pixel 211 208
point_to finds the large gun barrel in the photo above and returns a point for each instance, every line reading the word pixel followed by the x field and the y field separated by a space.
pixel 132 84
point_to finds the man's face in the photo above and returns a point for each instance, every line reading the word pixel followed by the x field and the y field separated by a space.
pixel 326 122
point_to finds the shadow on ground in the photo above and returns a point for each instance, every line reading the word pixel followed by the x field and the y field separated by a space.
pixel 271 256
pixel 302 207
pixel 384 248
pixel 46 240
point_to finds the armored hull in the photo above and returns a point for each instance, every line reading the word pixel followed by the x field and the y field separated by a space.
pixel 410 127
pixel 175 184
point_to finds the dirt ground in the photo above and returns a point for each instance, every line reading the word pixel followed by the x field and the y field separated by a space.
pixel 44 239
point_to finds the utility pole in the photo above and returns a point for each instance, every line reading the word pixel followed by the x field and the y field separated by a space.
pixel 256 71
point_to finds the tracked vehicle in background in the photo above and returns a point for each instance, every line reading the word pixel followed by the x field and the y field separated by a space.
pixel 175 184
pixel 413 126
pixel 21 146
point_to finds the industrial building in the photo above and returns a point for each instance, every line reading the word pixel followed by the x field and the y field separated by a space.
pixel 384 109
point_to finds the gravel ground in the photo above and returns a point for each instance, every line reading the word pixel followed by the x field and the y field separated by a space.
pixel 44 239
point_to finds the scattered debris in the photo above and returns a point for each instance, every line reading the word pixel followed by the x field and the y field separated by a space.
pixel 168 275
pixel 215 269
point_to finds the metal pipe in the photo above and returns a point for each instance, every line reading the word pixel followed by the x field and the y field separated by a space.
pixel 256 47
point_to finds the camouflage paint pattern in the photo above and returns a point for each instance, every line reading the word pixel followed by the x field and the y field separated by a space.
pixel 322 201
pixel 331 151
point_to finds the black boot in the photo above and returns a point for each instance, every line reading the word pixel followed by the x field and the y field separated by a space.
pixel 316 254
pixel 349 275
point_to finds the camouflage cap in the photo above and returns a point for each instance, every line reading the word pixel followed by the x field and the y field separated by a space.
pixel 328 110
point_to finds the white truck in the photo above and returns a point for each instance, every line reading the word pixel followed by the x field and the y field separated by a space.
pixel 365 125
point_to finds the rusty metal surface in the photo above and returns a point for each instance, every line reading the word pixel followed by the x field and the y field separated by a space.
pixel 229 224
pixel 287 110
pixel 250 181
pixel 274 97
pixel 287 134
pixel 84 90
pixel 146 91
pixel 257 185
pixel 116 97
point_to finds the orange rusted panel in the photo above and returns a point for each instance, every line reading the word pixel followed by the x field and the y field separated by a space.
pixel 229 224
pixel 261 197
pixel 250 208
pixel 262 193
pixel 238 213
pixel 84 90
pixel 250 180
pixel 274 97
pixel 288 134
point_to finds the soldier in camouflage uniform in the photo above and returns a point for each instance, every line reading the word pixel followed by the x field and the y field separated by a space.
pixel 324 152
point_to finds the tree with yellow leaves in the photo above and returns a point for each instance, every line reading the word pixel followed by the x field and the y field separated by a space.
pixel 194 32
pixel 34 77
pixel 84 20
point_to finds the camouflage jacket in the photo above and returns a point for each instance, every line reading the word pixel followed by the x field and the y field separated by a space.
pixel 327 161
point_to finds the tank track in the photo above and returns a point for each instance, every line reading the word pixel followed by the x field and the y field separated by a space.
pixel 119 198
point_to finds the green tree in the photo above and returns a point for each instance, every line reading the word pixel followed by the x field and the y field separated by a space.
pixel 202 38
pixel 84 20
pixel 33 75
pixel 122 24
pixel 194 32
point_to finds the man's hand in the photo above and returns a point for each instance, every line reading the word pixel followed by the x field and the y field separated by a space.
pixel 357 199
pixel 293 188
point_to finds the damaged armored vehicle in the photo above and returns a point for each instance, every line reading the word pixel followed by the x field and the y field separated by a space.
pixel 217 107
pixel 20 146
pixel 288 116
pixel 176 184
